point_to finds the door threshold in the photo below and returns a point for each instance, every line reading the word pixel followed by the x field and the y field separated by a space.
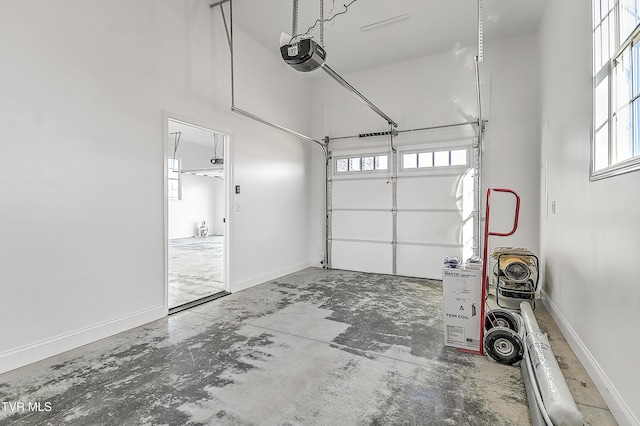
pixel 198 302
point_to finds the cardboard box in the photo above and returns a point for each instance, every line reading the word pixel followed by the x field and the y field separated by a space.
pixel 462 291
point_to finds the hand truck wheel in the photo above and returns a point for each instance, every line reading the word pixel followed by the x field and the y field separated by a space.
pixel 504 345
pixel 501 318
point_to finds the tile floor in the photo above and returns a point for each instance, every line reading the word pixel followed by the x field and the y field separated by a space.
pixel 316 347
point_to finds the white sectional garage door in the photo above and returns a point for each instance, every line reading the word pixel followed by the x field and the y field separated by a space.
pixel 410 230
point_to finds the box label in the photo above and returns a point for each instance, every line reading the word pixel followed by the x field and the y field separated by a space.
pixel 455 334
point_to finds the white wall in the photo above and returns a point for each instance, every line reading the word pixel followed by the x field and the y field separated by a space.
pixel 197 204
pixel 202 197
pixel 590 245
pixel 439 90
pixel 269 220
pixel 83 89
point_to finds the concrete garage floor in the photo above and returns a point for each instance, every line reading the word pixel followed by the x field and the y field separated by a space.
pixel 315 347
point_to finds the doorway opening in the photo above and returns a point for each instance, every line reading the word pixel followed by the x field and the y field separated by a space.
pixel 196 210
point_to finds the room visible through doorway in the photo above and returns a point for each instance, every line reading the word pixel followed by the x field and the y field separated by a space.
pixel 196 193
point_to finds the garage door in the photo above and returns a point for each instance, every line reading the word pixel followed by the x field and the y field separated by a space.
pixel 401 211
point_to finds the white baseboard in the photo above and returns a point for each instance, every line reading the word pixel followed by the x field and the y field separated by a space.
pixel 24 355
pixel 259 279
pixel 617 405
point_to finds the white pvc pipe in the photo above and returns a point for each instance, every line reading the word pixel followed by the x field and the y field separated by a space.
pixel 537 417
pixel 535 389
pixel 557 398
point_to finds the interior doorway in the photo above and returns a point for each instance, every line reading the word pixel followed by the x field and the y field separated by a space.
pixel 196 210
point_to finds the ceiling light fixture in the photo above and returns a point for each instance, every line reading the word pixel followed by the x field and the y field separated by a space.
pixel 385 22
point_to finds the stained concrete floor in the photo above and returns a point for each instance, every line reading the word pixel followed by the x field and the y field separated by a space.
pixel 195 268
pixel 313 348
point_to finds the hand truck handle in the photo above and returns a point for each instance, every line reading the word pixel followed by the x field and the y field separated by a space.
pixel 516 216
pixel 485 261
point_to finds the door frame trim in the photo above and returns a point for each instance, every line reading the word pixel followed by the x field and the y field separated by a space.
pixel 228 173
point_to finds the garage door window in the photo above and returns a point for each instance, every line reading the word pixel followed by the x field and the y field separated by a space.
pixel 362 164
pixel 431 159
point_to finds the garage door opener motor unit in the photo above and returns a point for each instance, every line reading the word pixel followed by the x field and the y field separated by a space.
pixel 305 55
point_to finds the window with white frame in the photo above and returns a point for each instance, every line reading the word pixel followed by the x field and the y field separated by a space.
pixel 174 180
pixel 367 163
pixel 430 159
pixel 616 85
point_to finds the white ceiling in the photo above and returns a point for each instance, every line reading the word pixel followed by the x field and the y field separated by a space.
pixel 193 134
pixel 190 133
pixel 433 26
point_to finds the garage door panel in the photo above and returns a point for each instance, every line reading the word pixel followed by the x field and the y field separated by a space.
pixel 363 225
pixel 423 261
pixel 432 227
pixel 361 194
pixel 365 257
pixel 437 192
pixel 433 204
